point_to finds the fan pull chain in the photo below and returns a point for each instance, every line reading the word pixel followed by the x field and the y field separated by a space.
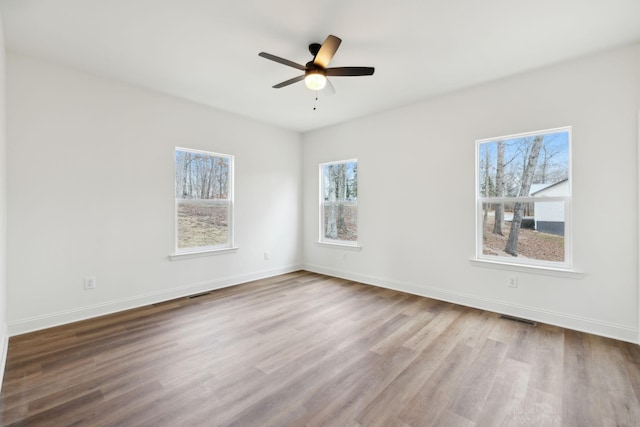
pixel 315 101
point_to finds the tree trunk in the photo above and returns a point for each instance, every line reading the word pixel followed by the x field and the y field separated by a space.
pixel 341 180
pixel 499 211
pixel 486 206
pixel 185 174
pixel 331 230
pixel 527 178
pixel 190 177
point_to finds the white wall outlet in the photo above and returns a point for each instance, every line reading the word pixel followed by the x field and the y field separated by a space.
pixel 512 282
pixel 90 282
pixel 267 255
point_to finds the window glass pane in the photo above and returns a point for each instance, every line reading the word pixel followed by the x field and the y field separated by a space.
pixel 524 166
pixel 341 221
pixel 541 233
pixel 202 223
pixel 203 199
pixel 339 197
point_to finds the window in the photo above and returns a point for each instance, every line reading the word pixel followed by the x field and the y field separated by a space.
pixel 524 199
pixel 339 202
pixel 204 201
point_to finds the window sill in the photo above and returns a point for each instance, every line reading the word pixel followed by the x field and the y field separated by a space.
pixel 533 269
pixel 200 254
pixel 338 245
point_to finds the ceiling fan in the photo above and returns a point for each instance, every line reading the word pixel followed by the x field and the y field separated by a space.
pixel 316 71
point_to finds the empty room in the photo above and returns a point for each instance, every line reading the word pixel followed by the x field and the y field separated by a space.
pixel 349 213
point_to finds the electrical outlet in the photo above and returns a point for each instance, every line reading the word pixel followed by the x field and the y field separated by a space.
pixel 267 256
pixel 512 282
pixel 90 282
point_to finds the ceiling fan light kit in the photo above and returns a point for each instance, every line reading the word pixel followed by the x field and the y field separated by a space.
pixel 315 80
pixel 316 71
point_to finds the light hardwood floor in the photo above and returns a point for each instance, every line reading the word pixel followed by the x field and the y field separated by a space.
pixel 307 349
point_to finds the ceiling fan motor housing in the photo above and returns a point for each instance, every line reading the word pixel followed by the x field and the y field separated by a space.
pixel 314 48
pixel 314 68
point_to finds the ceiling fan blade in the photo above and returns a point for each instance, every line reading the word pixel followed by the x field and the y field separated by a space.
pixel 350 71
pixel 328 89
pixel 282 61
pixel 327 50
pixel 288 82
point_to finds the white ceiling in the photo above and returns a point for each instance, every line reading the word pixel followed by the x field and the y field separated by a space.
pixel 207 50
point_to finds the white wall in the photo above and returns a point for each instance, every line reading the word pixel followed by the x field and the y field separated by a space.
pixel 416 194
pixel 90 192
pixel 3 208
pixel 90 176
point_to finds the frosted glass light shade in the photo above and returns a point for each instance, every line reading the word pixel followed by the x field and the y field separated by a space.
pixel 315 81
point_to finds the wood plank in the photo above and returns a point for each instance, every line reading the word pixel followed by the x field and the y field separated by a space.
pixel 580 391
pixel 505 401
pixel 386 407
pixel 309 349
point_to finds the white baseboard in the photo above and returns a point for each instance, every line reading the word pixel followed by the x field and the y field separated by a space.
pixel 26 325
pixel 609 330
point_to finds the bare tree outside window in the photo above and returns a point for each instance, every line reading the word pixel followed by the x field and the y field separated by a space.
pixel 339 201
pixel 524 186
pixel 203 199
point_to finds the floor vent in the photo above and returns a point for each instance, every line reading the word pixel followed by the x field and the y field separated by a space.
pixel 518 319
pixel 198 295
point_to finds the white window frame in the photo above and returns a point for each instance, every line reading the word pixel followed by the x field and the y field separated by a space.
pixel 567 265
pixel 226 247
pixel 322 239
